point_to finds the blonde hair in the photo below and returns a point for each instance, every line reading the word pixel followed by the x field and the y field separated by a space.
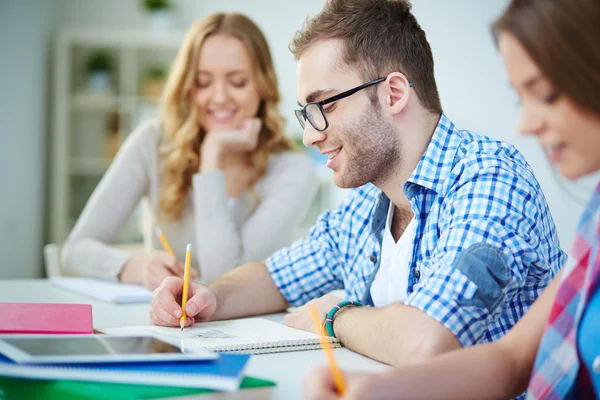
pixel 179 119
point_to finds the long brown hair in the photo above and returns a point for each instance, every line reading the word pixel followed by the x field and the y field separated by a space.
pixel 179 119
pixel 380 36
pixel 563 38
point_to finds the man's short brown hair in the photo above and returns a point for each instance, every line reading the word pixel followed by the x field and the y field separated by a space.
pixel 380 36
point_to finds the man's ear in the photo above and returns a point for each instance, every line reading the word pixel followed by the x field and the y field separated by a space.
pixel 397 92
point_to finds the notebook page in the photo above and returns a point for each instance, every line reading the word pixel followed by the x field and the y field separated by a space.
pixel 239 334
pixel 112 292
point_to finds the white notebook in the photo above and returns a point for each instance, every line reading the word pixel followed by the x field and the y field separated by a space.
pixel 248 336
pixel 112 292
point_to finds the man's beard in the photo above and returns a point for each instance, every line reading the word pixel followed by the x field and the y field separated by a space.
pixel 372 150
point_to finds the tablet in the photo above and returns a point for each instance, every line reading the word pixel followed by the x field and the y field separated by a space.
pixel 59 349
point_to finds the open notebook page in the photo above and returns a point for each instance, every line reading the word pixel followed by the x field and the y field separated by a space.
pixel 247 335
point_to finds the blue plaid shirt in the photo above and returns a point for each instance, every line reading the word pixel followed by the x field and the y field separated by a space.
pixel 466 190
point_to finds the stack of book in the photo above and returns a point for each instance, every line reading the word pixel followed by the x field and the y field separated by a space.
pixel 229 345
pixel 125 381
pixel 27 389
pixel 48 351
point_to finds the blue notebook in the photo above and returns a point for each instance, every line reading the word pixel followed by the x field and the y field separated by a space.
pixel 224 373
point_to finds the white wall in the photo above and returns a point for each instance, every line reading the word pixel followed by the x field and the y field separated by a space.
pixel 24 27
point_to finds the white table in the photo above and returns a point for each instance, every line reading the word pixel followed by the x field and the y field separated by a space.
pixel 286 369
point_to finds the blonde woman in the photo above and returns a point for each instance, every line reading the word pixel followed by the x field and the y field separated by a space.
pixel 216 166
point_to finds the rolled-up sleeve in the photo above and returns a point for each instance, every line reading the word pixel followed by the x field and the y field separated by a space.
pixel 318 263
pixel 308 268
pixel 487 244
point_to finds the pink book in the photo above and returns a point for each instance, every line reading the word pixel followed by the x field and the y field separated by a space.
pixel 45 318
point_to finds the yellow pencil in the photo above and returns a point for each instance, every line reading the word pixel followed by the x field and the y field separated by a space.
pixel 338 377
pixel 186 284
pixel 164 241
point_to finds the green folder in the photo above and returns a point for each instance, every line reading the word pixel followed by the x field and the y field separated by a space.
pixel 26 389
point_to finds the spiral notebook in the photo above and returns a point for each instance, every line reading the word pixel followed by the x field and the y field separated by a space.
pixel 247 336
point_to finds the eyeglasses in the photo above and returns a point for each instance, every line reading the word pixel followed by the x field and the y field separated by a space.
pixel 314 114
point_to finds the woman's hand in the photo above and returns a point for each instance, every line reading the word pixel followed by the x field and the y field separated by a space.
pixel 216 144
pixel 152 270
pixel 319 385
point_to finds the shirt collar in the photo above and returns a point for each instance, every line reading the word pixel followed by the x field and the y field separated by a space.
pixel 431 171
pixel 437 161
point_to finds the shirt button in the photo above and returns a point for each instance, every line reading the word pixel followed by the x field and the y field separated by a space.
pixel 373 258
pixel 596 365
pixel 417 274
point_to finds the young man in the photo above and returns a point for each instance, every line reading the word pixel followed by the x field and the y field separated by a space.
pixel 448 233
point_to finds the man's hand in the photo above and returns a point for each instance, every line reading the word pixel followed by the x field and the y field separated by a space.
pixel 166 303
pixel 301 319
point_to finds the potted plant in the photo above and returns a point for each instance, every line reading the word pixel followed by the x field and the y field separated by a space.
pixel 160 13
pixel 99 69
pixel 112 137
pixel 154 81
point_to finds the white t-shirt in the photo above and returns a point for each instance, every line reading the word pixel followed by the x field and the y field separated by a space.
pixel 391 282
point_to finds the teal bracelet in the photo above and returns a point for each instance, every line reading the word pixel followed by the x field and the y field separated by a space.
pixel 334 310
